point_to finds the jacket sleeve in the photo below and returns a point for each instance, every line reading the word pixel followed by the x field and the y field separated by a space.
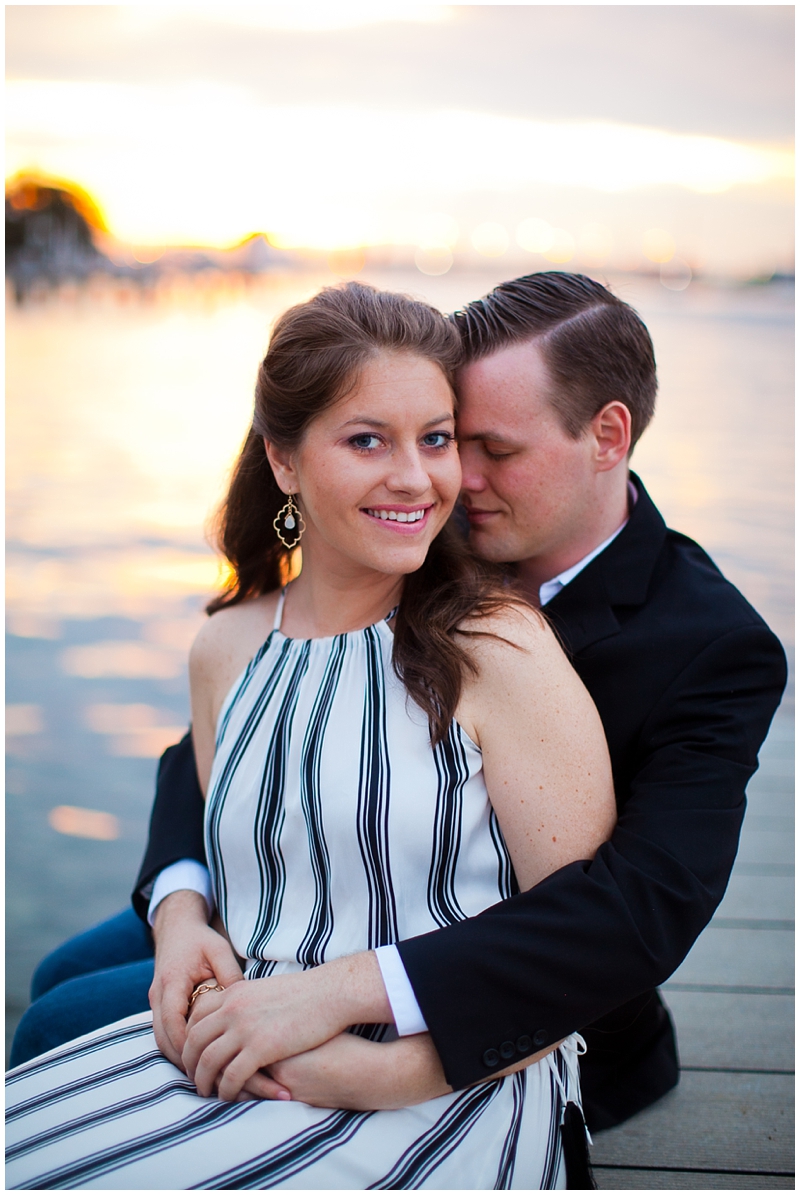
pixel 176 822
pixel 595 934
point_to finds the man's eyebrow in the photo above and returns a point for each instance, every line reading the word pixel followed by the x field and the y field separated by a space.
pixel 494 437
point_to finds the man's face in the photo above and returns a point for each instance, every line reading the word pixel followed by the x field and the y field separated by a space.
pixel 527 486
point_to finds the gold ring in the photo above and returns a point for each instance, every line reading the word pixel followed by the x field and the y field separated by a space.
pixel 202 988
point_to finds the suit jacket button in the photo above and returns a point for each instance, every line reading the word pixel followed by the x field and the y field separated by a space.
pixel 539 1037
pixel 491 1059
pixel 507 1050
pixel 524 1044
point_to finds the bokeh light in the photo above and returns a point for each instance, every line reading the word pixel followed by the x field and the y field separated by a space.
pixel 658 245
pixel 535 235
pixel 433 259
pixel 595 244
pixel 490 239
pixel 676 274
pixel 562 249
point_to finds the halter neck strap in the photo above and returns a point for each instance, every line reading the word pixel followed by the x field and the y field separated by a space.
pixel 276 626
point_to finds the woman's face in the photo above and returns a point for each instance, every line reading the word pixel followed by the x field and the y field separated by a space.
pixel 378 472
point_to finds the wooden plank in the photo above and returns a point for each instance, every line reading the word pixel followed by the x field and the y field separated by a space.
pixel 771 805
pixel 764 869
pixel 613 1178
pixel 712 1121
pixel 783 722
pixel 765 846
pixel 758 896
pixel 779 822
pixel 740 957
pixel 733 1031
pixel 774 798
pixel 771 794
pixel 763 790
pixel 776 762
pixel 777 753
pixel 776 758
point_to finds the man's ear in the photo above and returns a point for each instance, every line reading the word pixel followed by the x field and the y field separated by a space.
pixel 282 466
pixel 611 429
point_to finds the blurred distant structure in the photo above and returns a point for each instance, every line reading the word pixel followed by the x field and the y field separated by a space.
pixel 50 235
pixel 55 233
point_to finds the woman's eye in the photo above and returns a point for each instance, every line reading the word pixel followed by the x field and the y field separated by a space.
pixel 366 441
pixel 438 439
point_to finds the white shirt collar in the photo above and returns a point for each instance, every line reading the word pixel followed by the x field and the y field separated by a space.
pixel 549 589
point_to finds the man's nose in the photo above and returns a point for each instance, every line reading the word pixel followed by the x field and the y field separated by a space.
pixel 472 479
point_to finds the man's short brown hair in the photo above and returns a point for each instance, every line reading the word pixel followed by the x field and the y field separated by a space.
pixel 596 347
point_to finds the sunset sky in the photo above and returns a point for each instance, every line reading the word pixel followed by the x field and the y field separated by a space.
pixel 594 134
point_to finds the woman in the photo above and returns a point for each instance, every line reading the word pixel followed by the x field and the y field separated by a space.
pixel 386 743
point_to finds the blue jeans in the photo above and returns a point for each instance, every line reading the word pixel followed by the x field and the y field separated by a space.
pixel 92 980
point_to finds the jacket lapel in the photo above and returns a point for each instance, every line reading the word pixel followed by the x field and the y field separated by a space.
pixel 583 612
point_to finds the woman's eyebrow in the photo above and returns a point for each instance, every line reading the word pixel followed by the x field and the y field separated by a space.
pixel 370 421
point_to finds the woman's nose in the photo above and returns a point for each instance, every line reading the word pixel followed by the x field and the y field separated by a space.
pixel 409 473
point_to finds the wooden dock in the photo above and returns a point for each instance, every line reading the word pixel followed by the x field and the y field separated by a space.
pixel 729 1125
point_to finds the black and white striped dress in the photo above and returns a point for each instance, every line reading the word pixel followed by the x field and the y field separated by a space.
pixel 332 826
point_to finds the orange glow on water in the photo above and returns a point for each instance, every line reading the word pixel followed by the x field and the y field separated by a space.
pixel 84 823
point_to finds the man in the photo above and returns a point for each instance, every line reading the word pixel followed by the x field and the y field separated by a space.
pixel 558 384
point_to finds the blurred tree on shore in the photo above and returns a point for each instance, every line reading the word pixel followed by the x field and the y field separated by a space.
pixel 50 233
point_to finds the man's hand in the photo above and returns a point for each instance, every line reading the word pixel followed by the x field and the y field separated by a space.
pixel 234 1034
pixel 349 1072
pixel 188 952
pixel 364 1076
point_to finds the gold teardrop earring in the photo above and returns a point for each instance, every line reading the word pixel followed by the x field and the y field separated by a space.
pixel 289 519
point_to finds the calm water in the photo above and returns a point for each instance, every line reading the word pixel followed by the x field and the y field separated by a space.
pixel 123 418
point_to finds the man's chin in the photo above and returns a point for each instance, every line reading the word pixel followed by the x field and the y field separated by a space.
pixel 490 547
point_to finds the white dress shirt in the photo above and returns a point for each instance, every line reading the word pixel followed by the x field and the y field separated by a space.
pixel 178 877
pixel 406 1011
pixel 549 589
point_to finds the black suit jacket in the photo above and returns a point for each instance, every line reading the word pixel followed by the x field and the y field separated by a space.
pixel 686 677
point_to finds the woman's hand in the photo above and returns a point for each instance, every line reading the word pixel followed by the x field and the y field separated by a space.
pixel 252 1025
pixel 349 1072
pixel 188 952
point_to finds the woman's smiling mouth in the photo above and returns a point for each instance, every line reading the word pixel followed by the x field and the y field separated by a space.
pixel 401 518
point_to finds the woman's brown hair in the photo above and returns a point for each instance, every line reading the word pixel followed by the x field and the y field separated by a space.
pixel 316 352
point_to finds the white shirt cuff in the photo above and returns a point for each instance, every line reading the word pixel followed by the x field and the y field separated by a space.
pixel 407 1013
pixel 180 876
